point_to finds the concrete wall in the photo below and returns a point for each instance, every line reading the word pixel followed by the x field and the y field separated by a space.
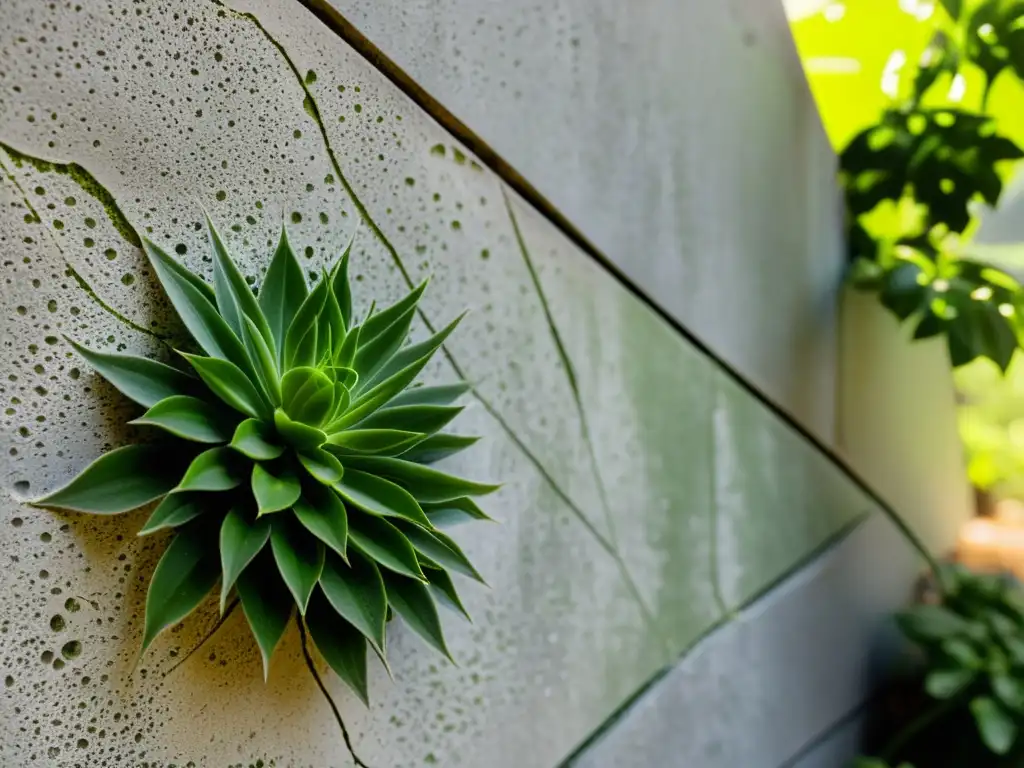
pixel 666 539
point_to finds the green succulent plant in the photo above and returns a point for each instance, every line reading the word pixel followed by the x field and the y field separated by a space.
pixel 292 462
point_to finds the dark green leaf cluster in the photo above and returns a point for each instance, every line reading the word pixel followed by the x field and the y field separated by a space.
pixel 293 462
pixel 973 645
pixel 937 162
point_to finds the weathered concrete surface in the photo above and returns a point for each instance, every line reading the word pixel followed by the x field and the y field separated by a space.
pixel 755 692
pixel 679 136
pixel 646 496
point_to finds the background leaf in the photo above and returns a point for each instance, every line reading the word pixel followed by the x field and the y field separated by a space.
pixel 996 726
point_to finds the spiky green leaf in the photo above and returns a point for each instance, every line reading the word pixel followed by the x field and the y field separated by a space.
pixel 263 362
pixel 427 419
pixel 356 591
pixel 379 497
pixel 409 357
pixel 145 381
pixel 341 645
pixel 997 726
pixel 340 286
pixel 381 541
pixel 300 436
pixel 411 600
pixel 186 573
pixel 282 293
pixel 441 395
pixel 373 441
pixel 454 512
pixel 323 514
pixel 424 483
pixel 234 297
pixel 267 604
pixel 190 418
pixel 300 340
pixel 121 480
pixel 376 350
pixel 443 589
pixel 441 549
pixel 299 556
pixel 437 447
pixel 241 539
pixel 379 323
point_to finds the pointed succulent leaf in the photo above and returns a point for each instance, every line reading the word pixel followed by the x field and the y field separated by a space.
pixel 997 727
pixel 234 297
pixel 340 285
pixel 145 381
pixel 946 683
pixel 282 293
pixel 342 400
pixel 407 357
pixel 375 398
pixel 120 480
pixel 255 439
pixel 374 352
pixel 322 465
pixel 453 512
pixel 341 645
pixel 379 497
pixel 267 604
pixel 425 483
pixel 347 355
pixel 330 327
pixel 382 542
pixel 300 436
pixel 411 600
pixel 297 380
pixel 445 394
pixel 176 509
pixel 228 382
pixel 189 418
pixel 437 447
pixel 297 350
pixel 376 324
pixel 443 589
pixel 427 419
pixel 216 469
pixel 441 549
pixel 274 491
pixel 323 514
pixel 186 573
pixel 374 441
pixel 317 406
pixel 299 556
pixel 262 357
pixel 356 591
pixel 241 539
pixel 196 308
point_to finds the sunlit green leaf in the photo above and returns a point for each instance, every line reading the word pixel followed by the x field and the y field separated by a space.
pixel 241 539
pixel 262 358
pixel 274 490
pixel 255 439
pixel 217 469
pixel 375 349
pixel 410 358
pixel 322 465
pixel 442 395
pixel 341 645
pixel 997 727
pixel 300 436
pixel 411 600
pixel 186 573
pixel 145 381
pixel 120 480
pixel 380 322
pixel 299 556
pixel 427 419
pixel 227 381
pixel 282 292
pixel 190 418
pixel 297 350
pixel 373 441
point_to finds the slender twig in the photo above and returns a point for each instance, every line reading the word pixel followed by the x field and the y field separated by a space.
pixel 327 695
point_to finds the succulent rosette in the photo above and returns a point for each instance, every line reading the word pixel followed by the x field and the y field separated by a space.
pixel 292 462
